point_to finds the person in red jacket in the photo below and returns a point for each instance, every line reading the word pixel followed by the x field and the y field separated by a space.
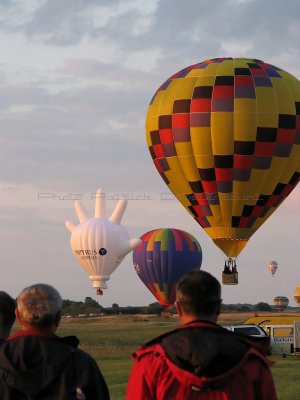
pixel 200 359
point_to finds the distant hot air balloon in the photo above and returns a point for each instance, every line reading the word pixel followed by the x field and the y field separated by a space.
pixel 224 136
pixel 99 244
pixel 273 267
pixel 162 258
pixel 297 295
pixel 281 303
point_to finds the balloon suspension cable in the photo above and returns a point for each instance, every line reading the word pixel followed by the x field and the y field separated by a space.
pixel 230 266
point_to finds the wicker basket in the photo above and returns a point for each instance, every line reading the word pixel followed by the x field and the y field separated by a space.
pixel 230 279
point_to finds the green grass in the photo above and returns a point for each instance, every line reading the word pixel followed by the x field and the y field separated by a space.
pixel 286 373
pixel 111 340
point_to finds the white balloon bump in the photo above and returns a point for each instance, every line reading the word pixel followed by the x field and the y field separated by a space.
pixel 100 244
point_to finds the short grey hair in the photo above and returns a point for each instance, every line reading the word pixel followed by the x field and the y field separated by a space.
pixel 39 305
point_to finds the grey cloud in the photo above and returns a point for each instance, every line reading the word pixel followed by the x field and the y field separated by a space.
pixel 186 32
pixel 197 27
pixel 200 28
pixel 70 137
pixel 16 95
pixel 60 21
pixel 128 85
pixel 67 22
pixel 101 84
pixel 75 132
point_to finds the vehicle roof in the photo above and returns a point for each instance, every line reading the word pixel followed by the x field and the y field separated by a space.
pixel 243 326
pixel 277 326
pixel 267 319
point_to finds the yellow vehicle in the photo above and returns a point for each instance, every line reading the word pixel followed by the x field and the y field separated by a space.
pixel 273 319
pixel 284 332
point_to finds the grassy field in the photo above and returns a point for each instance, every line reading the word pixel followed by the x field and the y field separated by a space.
pixel 111 340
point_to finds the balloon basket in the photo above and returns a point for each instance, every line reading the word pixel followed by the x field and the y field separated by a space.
pixel 230 279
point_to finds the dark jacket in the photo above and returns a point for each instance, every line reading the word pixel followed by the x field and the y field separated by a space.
pixel 201 360
pixel 35 366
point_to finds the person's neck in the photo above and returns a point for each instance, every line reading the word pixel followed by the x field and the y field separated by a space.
pixel 187 318
pixel 50 330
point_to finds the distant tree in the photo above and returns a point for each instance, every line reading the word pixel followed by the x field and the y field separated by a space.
pixel 72 307
pixel 89 306
pixel 235 308
pixel 115 308
pixel 244 309
pixel 89 302
pixel 153 308
pixel 131 310
pixel 156 304
pixel 66 303
pixel 262 307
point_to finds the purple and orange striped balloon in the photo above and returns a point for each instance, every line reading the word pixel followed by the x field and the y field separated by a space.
pixel 163 257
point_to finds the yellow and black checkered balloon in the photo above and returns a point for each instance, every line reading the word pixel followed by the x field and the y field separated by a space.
pixel 224 135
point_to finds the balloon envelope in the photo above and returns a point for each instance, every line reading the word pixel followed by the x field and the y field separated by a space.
pixel 273 267
pixel 297 295
pixel 96 244
pixel 162 258
pixel 281 302
pixel 99 244
pixel 224 136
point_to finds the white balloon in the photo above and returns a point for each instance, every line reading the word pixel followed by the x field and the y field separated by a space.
pixel 100 244
pixel 273 267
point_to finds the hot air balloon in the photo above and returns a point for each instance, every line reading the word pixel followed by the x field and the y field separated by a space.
pixel 162 258
pixel 297 295
pixel 273 267
pixel 99 244
pixel 222 134
pixel 281 303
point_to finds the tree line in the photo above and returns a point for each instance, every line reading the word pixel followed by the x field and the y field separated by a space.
pixel 92 308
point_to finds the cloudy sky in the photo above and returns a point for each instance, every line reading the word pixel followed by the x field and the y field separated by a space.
pixel 76 77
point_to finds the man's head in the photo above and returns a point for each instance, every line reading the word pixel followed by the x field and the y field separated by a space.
pixel 198 296
pixel 7 314
pixel 39 306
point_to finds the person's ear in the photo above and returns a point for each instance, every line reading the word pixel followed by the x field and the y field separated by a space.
pixel 19 319
pixel 178 308
pixel 219 305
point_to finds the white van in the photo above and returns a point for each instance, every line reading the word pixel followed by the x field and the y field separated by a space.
pixel 282 338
